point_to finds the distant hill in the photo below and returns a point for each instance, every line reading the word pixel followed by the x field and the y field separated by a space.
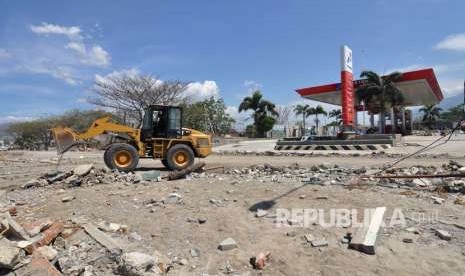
pixel 3 127
pixel 451 101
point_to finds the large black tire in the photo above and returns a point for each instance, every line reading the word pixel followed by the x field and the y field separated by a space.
pixel 163 161
pixel 106 156
pixel 179 157
pixel 122 157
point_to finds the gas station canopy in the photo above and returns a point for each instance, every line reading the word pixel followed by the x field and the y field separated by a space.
pixel 419 88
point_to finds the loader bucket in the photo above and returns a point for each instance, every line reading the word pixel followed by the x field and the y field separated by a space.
pixel 65 139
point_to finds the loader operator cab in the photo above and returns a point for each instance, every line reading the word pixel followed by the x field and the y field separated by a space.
pixel 162 122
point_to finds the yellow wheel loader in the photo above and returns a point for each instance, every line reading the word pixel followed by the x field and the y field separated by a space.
pixel 161 136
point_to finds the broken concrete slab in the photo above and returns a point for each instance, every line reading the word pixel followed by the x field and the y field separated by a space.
pixel 261 213
pixel 227 244
pixel 10 254
pixel 444 235
pixel 364 238
pixel 34 228
pixel 195 252
pixel 135 263
pixel 152 175
pixel 39 266
pixel 83 170
pixel 35 183
pixel 309 238
pixel 319 243
pixel 110 244
pixel 47 251
pixel 14 231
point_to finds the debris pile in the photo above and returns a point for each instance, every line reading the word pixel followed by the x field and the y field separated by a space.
pixel 75 247
pixel 88 175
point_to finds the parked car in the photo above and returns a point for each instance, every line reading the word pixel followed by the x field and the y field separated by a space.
pixel 3 148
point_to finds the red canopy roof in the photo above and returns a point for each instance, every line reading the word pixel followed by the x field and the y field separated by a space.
pixel 420 87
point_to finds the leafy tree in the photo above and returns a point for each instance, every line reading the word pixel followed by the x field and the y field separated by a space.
pixel 36 134
pixel 380 93
pixel 208 115
pixel 318 110
pixel 453 115
pixel 431 114
pixel 302 109
pixel 31 135
pixel 262 111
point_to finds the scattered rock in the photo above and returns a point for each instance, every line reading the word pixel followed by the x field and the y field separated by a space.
pixel 259 261
pixel 407 240
pixel 172 198
pixel 68 198
pixel 109 227
pixel 261 213
pixel 227 244
pixel 195 252
pixel 438 200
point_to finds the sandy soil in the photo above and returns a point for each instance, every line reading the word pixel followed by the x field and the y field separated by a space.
pixel 167 228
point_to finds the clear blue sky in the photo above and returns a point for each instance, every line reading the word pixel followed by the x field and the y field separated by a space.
pixel 51 51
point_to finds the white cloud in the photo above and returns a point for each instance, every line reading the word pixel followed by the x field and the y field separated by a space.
pixel 90 55
pixel 129 72
pixel 15 119
pixel 455 42
pixel 202 90
pixel 4 54
pixel 407 68
pixel 72 32
pixel 252 85
pixel 93 56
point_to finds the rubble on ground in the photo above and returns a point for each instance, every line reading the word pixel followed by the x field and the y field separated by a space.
pixel 68 248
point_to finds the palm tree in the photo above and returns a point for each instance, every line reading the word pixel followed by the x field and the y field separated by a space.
pixel 261 109
pixel 316 111
pixel 301 109
pixel 337 115
pixel 380 92
pixel 430 114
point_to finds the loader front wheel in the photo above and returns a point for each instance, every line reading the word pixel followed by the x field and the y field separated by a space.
pixel 165 163
pixel 179 157
pixel 122 157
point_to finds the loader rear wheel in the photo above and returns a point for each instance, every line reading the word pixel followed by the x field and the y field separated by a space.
pixel 179 157
pixel 122 157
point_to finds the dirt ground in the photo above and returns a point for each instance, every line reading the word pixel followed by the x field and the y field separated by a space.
pixel 225 201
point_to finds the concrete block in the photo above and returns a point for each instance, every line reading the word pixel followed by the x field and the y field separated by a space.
pixel 10 254
pixel 364 238
pixel 227 244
